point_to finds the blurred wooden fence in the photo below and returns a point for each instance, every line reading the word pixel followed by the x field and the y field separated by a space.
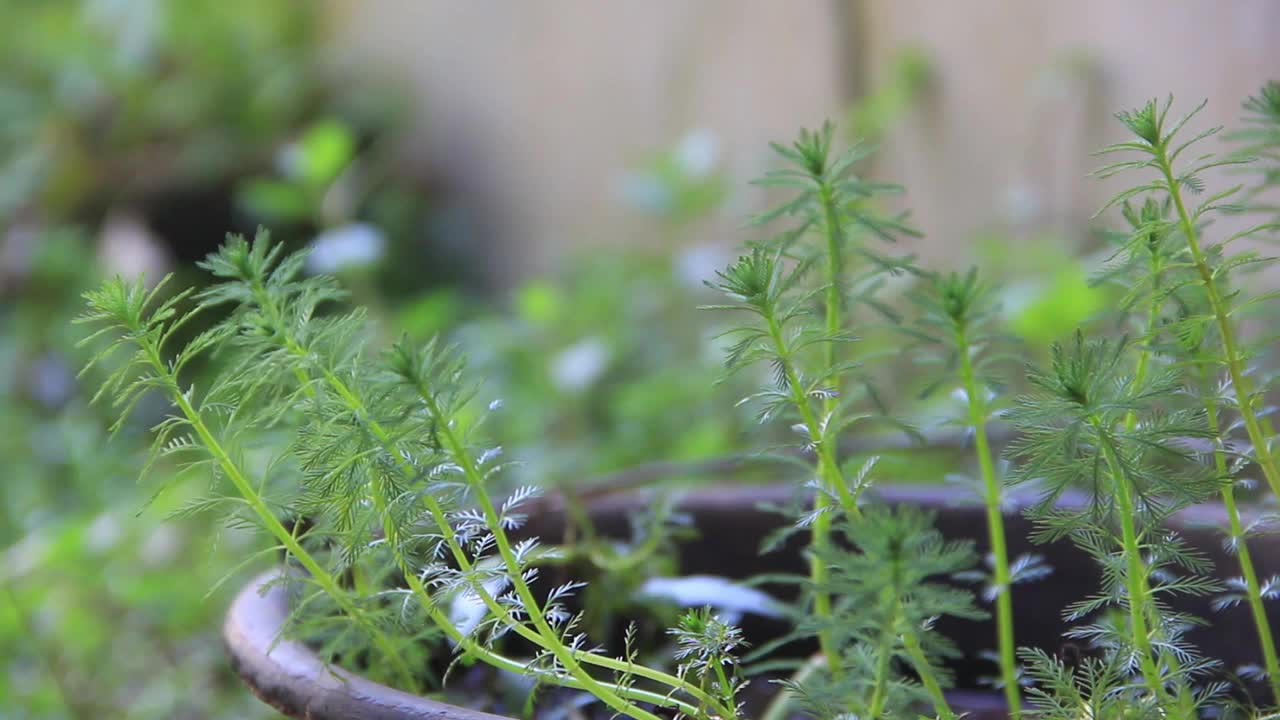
pixel 529 110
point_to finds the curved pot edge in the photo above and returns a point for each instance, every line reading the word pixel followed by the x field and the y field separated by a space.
pixel 290 677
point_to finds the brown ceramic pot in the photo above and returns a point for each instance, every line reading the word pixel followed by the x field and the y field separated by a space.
pixel 731 524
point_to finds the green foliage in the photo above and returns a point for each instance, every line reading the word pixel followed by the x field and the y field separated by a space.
pixel 856 605
pixel 1073 435
pixel 84 577
pixel 1076 431
pixel 608 369
pixel 1260 141
pixel 381 445
pixel 957 313
pixel 315 161
pixel 900 91
pixel 371 469
pixel 1191 290
pixel 705 645
pixel 889 590
pixel 101 91
pixel 957 316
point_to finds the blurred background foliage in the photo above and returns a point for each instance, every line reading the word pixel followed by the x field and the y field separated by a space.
pixel 135 133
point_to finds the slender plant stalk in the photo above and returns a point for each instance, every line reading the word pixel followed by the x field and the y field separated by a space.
pixel 829 472
pixel 1258 429
pixel 884 656
pixel 821 530
pixel 995 525
pixel 929 679
pixel 726 690
pixel 835 303
pixel 253 498
pixel 884 650
pixel 1253 589
pixel 1240 382
pixel 1136 571
pixel 1141 370
pixel 545 636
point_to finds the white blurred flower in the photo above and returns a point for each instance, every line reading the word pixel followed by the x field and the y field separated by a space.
pixel 699 263
pixel 288 160
pixel 578 366
pixel 712 590
pixel 129 249
pixel 644 192
pixel 698 153
pixel 52 381
pixel 24 556
pixel 103 533
pixel 161 546
pixel 1022 203
pixel 346 247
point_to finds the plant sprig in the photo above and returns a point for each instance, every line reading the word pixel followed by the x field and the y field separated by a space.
pixel 380 446
pixel 956 315
pixel 369 467
pixel 1074 433
pixel 811 371
pixel 1198 279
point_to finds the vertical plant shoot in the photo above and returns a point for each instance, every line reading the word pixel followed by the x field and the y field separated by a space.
pixel 392 471
pixel 1075 433
pixel 956 313
pixel 367 467
pixel 1187 270
pixel 803 322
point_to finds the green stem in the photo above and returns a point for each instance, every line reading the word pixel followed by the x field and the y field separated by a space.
pixel 884 657
pixel 1258 430
pixel 1150 329
pixel 995 525
pixel 835 303
pixel 544 636
pixel 319 574
pixel 929 679
pixel 822 523
pixel 545 639
pixel 1253 589
pixel 1233 356
pixel 532 607
pixel 1136 571
pixel 829 474
pixel 726 690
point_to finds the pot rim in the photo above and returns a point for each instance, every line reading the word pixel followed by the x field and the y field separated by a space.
pixel 291 677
